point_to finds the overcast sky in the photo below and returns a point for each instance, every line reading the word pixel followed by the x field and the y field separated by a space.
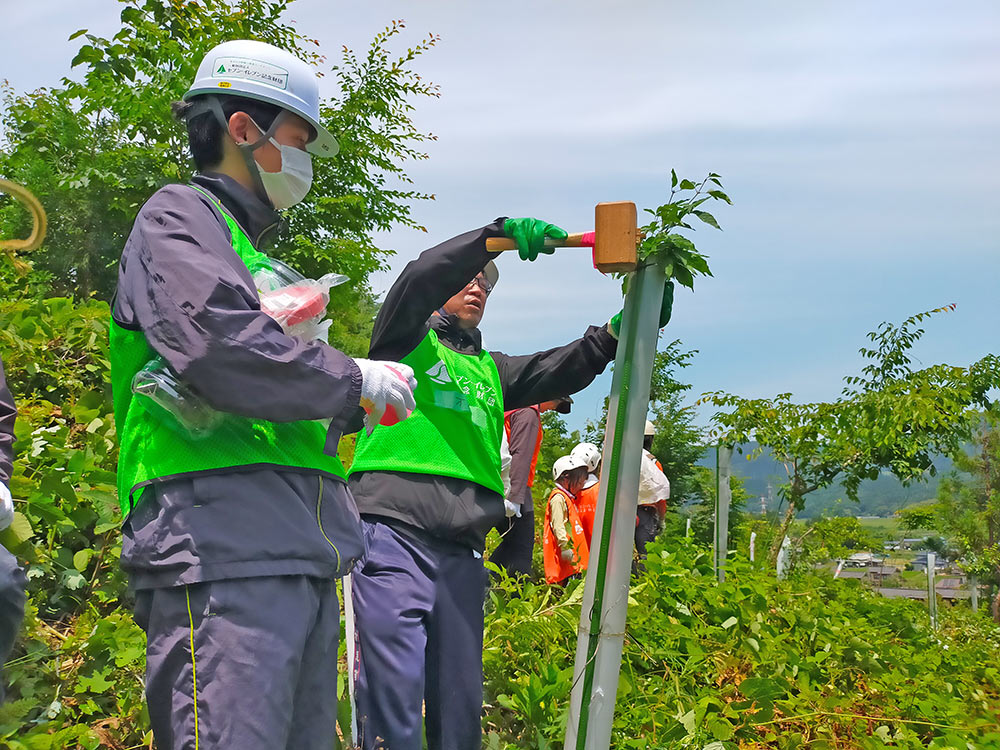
pixel 859 142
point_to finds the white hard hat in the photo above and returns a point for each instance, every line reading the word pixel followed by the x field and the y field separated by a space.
pixel 589 453
pixel 269 74
pixel 650 430
pixel 567 463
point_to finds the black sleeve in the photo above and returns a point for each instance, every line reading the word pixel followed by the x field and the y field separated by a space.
pixel 182 284
pixel 534 378
pixel 523 436
pixel 424 285
pixel 8 413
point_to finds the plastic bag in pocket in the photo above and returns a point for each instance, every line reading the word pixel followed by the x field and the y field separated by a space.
pixel 184 409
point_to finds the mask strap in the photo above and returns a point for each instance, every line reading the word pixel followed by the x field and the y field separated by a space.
pixel 212 105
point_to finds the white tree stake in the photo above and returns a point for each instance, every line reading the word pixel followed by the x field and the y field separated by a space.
pixel 723 498
pixel 931 591
pixel 605 594
pixel 782 566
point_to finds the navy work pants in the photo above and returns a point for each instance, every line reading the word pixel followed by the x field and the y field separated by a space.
pixel 248 663
pixel 419 638
pixel 12 587
pixel 515 550
pixel 646 530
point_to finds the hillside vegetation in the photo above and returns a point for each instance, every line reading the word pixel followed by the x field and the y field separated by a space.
pixel 880 497
pixel 750 663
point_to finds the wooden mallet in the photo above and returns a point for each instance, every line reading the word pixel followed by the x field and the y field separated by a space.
pixel 615 238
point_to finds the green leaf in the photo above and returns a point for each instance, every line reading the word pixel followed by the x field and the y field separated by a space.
pixel 95 683
pixel 73 580
pixel 76 34
pixel 687 185
pixel 18 532
pixel 673 177
pixel 87 54
pixel 683 276
pixel 706 217
pixel 82 558
pixel 732 620
pixel 688 721
pixel 761 689
pixel 131 15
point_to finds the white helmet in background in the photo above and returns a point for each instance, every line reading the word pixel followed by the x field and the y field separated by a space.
pixel 260 71
pixel 650 430
pixel 589 453
pixel 567 463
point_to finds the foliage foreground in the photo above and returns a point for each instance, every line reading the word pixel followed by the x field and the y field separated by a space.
pixel 753 662
pixel 750 663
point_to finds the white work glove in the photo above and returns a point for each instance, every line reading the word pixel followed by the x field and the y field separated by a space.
pixel 568 555
pixel 511 510
pixel 385 384
pixel 6 507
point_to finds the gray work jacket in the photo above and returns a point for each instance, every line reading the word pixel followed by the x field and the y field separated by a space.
pixel 182 284
pixel 449 512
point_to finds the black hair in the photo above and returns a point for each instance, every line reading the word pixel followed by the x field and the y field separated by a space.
pixel 205 132
pixel 647 442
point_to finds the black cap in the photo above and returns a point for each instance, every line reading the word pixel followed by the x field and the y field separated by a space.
pixel 564 404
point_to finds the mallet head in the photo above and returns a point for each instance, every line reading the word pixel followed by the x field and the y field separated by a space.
pixel 616 237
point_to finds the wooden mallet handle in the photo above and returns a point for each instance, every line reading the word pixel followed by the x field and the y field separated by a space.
pixel 615 238
pixel 579 239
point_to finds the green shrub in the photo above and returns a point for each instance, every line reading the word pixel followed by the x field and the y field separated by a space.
pixel 752 662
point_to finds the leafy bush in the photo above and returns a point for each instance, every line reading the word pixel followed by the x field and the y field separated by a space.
pixel 753 662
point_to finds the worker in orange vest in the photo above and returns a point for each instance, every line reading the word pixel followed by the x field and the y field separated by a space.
pixel 523 429
pixel 564 545
pixel 586 503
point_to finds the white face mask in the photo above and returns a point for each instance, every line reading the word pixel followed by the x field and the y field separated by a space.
pixel 290 185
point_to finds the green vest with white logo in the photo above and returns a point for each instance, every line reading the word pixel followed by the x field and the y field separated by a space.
pixel 151 450
pixel 456 428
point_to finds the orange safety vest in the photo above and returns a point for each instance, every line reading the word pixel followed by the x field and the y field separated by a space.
pixel 557 569
pixel 586 505
pixel 538 440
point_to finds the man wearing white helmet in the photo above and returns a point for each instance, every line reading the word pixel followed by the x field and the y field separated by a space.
pixel 654 491
pixel 564 548
pixel 587 497
pixel 523 432
pixel 232 543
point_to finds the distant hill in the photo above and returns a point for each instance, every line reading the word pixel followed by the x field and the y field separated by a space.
pixel 881 497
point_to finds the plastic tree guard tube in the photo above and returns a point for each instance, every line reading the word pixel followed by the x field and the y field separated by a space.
pixel 605 595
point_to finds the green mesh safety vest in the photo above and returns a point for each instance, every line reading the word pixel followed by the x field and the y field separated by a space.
pixel 153 451
pixel 455 429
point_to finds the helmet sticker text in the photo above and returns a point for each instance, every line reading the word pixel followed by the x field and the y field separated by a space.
pixel 250 70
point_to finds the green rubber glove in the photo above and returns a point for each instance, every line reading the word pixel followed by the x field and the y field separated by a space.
pixel 666 308
pixel 530 234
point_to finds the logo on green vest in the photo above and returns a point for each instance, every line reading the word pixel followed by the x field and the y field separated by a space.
pixel 439 373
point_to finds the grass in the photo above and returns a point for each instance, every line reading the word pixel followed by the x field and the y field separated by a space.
pixel 890 528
